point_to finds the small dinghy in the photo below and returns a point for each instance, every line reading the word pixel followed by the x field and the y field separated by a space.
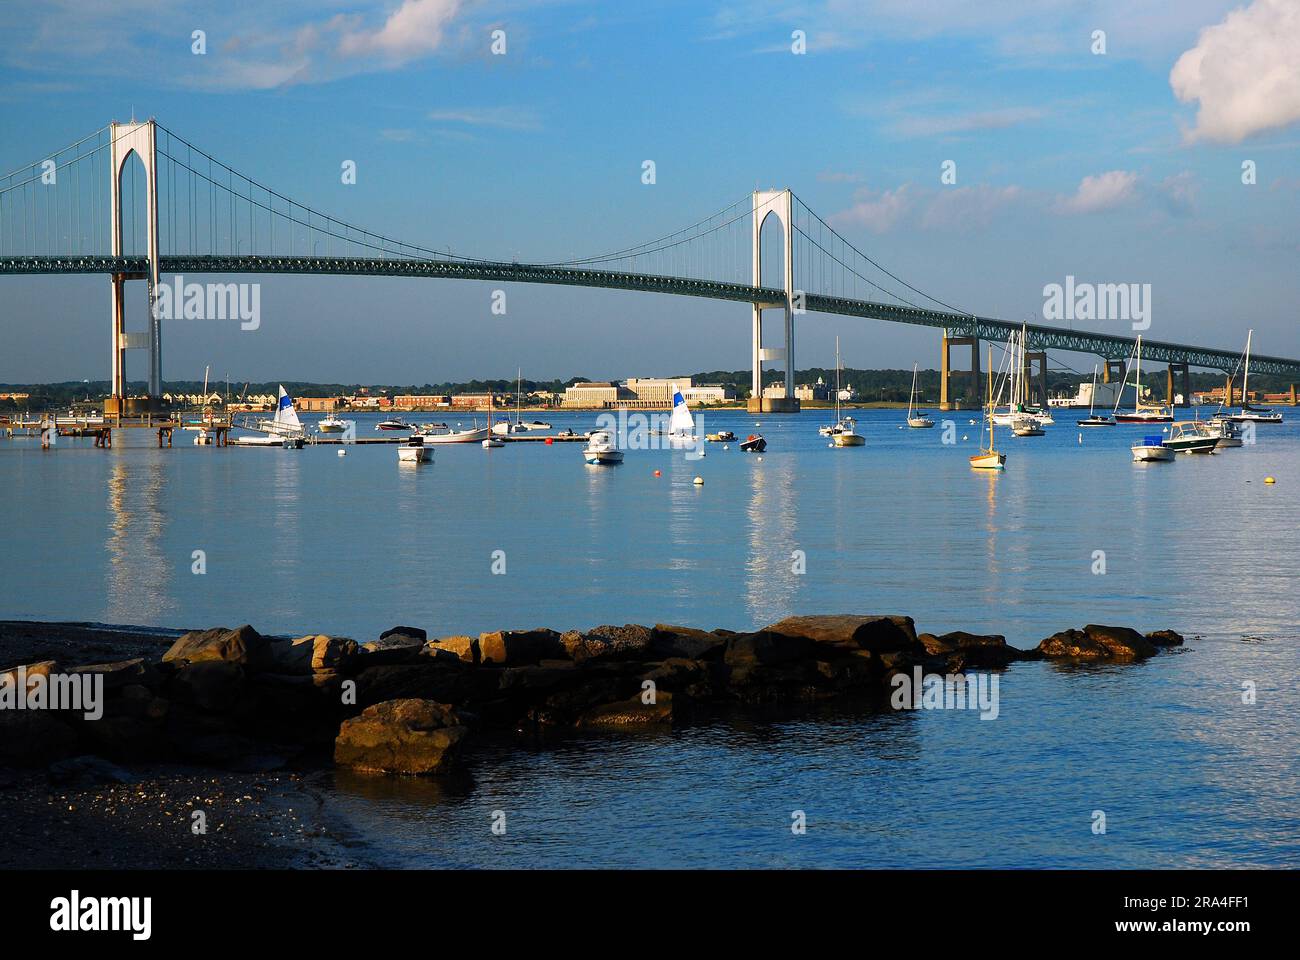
pixel 414 451
pixel 754 443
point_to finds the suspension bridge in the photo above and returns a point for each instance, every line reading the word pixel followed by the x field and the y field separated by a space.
pixel 134 201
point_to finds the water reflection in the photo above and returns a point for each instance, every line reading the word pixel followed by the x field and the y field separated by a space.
pixel 137 576
pixel 770 583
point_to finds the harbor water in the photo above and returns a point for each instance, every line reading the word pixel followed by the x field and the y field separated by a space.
pixel 1072 532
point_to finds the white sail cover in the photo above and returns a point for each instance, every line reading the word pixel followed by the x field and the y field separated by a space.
pixel 682 422
pixel 285 415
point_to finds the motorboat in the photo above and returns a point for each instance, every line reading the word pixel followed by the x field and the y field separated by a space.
pixel 1224 430
pixel 394 423
pixel 414 451
pixel 331 424
pixel 1152 450
pixel 916 420
pixel 1092 420
pixel 1186 436
pixel 989 458
pixel 601 449
pixel 722 436
pixel 845 432
pixel 1026 426
pixel 445 434
pixel 754 443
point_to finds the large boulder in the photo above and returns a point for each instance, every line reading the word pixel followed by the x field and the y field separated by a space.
pixel 211 685
pixel 307 654
pixel 392 648
pixel 44 668
pixel 629 641
pixel 243 645
pixel 1165 638
pixel 669 641
pixel 461 647
pixel 415 632
pixel 516 648
pixel 1097 643
pixel 123 673
pixel 401 736
pixel 879 634
pixel 765 648
pixel 971 650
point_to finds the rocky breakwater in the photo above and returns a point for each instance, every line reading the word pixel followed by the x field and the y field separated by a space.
pixel 405 703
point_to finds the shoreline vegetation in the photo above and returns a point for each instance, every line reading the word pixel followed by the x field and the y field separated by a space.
pixel 249 730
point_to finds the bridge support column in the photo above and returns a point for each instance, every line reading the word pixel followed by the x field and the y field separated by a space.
pixel 1114 369
pixel 1035 386
pixel 946 398
pixel 139 139
pixel 1227 391
pixel 774 203
pixel 1187 384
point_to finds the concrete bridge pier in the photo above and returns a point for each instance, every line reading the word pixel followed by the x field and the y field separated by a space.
pixel 1035 384
pixel 1227 391
pixel 946 399
pixel 778 204
pixel 1187 384
pixel 1114 371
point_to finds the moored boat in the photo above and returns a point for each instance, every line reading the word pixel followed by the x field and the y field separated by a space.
pixel 331 424
pixel 1186 436
pixel 754 443
pixel 601 450
pixel 722 436
pixel 989 458
pixel 414 451
pixel 1152 450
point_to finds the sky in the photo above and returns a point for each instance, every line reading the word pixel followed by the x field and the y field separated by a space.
pixel 1111 157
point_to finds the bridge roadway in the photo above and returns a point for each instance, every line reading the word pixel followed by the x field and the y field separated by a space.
pixel 1041 337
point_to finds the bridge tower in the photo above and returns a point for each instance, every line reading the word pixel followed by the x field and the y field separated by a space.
pixel 139 139
pixel 779 204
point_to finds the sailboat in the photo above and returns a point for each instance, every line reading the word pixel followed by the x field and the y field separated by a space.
pixel 845 432
pixel 283 429
pixel 490 442
pixel 1019 411
pixel 504 427
pixel 1248 413
pixel 988 458
pixel 681 426
pixel 1092 420
pixel 1142 412
pixel 918 421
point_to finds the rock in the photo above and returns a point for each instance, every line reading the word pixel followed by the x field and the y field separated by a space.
pixel 965 650
pixel 750 649
pixel 514 648
pixel 128 737
pixel 290 657
pixel 210 685
pixel 879 634
pixel 546 675
pixel 670 641
pixel 415 632
pixel 462 647
pixel 43 668
pixel 401 736
pixel 34 737
pixel 243 645
pixel 626 642
pixel 86 771
pixel 446 681
pixel 1097 643
pixel 629 713
pixel 332 653
pixel 1165 638
pixel 392 648
pixel 123 673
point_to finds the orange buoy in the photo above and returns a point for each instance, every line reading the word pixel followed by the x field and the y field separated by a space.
pixel 658 473
pixel 549 441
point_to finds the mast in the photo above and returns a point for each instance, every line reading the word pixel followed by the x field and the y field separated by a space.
pixel 1137 387
pixel 1245 383
pixel 1092 397
pixel 519 379
pixel 837 380
pixel 989 406
pixel 911 396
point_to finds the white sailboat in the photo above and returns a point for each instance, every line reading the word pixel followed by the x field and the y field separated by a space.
pixel 845 432
pixel 1142 412
pixel 918 421
pixel 681 425
pixel 1249 414
pixel 283 429
pixel 490 442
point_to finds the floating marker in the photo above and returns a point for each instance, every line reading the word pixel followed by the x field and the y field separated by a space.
pixel 343 453
pixel 1080 438
pixel 658 474
pixel 725 447
pixel 1269 480
pixel 699 481
pixel 549 441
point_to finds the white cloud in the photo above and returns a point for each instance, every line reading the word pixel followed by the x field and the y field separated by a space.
pixel 414 29
pixel 878 212
pixel 1243 73
pixel 503 118
pixel 1105 190
pixel 998 119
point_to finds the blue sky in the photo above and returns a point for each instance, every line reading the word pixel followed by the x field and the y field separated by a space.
pixel 1119 167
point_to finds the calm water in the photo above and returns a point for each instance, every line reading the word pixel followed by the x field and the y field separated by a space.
pixel 299 541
